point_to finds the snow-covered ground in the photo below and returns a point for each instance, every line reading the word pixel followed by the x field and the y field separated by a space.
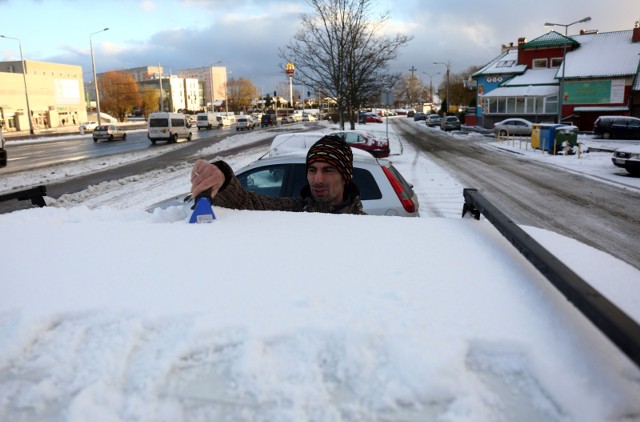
pixel 111 313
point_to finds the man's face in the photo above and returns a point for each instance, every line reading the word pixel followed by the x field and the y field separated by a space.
pixel 326 182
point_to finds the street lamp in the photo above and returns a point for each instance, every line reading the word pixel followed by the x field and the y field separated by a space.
pixel 431 75
pixel 24 79
pixel 448 64
pixel 564 54
pixel 226 93
pixel 93 65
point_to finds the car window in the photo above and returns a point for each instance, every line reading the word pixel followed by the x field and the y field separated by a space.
pixel 267 181
pixel 158 122
pixel 634 123
pixel 352 138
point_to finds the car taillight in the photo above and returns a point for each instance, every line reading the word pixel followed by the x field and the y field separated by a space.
pixel 406 201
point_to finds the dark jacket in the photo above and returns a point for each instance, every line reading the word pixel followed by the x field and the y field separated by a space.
pixel 233 195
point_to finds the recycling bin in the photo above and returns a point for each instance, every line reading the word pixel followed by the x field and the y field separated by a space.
pixel 535 135
pixel 567 134
pixel 548 141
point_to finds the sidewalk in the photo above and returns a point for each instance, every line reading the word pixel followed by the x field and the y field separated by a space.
pixel 63 130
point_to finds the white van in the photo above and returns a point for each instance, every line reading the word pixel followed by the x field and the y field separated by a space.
pixel 293 141
pixel 168 127
pixel 206 121
pixel 223 120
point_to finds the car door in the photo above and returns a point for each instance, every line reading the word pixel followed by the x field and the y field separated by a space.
pixel 633 129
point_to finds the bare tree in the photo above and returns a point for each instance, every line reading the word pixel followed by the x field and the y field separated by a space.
pixel 459 93
pixel 409 90
pixel 338 51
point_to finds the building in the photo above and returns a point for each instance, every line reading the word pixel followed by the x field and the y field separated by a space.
pixel 600 72
pixel 55 95
pixel 177 93
pixel 214 84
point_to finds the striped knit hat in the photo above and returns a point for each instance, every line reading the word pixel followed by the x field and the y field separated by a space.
pixel 334 151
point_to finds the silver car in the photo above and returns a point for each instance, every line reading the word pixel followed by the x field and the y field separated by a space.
pixel 245 123
pixel 108 132
pixel 513 126
pixel 433 120
pixel 383 190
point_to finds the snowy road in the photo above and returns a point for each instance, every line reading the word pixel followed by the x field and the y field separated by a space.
pixel 602 215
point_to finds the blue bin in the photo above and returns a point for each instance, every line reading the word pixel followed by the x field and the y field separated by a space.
pixel 548 138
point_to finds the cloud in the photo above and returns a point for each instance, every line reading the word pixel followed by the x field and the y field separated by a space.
pixel 147 5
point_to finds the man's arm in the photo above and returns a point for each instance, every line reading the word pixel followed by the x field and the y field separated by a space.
pixel 226 190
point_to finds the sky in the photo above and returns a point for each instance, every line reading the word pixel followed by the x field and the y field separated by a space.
pixel 246 35
pixel 130 315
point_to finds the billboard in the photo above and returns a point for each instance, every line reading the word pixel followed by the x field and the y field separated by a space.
pixel 66 91
pixel 594 92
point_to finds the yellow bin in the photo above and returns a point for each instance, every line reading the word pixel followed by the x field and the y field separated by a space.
pixel 535 136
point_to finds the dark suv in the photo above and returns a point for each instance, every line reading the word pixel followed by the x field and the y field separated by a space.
pixel 617 127
pixel 268 120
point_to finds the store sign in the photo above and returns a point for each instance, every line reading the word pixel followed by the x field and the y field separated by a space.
pixel 594 92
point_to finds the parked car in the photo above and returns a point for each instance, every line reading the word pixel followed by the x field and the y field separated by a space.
pixel 268 120
pixel 433 120
pixel 383 190
pixel 88 126
pixel 308 117
pixel 369 117
pixel 365 141
pixel 513 126
pixel 108 132
pixel 628 158
pixel 450 123
pixel 617 127
pixel 360 139
pixel 419 116
pixel 245 123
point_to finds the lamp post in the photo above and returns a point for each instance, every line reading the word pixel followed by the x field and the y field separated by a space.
pixel 431 75
pixel 24 79
pixel 448 64
pixel 564 55
pixel 93 65
pixel 226 93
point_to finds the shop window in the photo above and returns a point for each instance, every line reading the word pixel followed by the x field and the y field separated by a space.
pixel 551 104
pixel 520 105
pixel 511 105
pixel 530 105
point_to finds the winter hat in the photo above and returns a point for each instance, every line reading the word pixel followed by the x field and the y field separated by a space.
pixel 333 150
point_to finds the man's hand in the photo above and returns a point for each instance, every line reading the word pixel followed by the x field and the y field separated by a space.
pixel 205 176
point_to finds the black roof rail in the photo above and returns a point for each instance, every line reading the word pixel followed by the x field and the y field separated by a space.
pixel 614 323
pixel 35 195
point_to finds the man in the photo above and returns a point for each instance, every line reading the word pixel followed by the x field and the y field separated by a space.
pixel 330 188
